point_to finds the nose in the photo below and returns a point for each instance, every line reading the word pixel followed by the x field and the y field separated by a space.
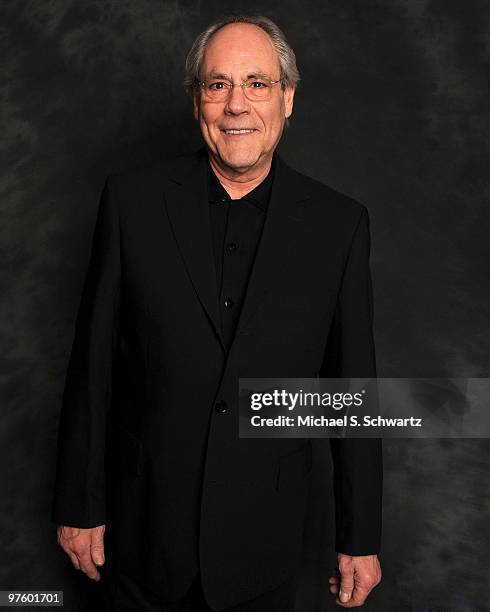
pixel 237 102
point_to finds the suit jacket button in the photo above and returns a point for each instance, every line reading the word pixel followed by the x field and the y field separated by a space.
pixel 221 406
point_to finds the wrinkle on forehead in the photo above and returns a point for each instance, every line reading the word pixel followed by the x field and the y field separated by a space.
pixel 216 74
pixel 242 48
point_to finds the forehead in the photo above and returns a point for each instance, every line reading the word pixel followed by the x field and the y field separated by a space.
pixel 238 49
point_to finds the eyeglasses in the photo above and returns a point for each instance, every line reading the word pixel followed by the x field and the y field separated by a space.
pixel 254 88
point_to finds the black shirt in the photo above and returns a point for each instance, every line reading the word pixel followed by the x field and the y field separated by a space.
pixel 236 227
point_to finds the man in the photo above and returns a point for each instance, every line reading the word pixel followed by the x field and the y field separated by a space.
pixel 221 264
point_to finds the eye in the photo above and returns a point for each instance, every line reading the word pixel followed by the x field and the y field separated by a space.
pixel 258 85
pixel 217 85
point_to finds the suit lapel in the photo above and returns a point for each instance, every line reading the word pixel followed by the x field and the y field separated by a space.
pixel 279 238
pixel 187 208
pixel 188 212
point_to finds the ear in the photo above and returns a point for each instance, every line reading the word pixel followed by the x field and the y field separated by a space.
pixel 195 104
pixel 288 100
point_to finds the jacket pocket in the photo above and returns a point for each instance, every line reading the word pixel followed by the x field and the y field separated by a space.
pixel 294 467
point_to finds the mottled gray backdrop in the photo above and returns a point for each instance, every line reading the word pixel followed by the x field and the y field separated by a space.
pixel 392 109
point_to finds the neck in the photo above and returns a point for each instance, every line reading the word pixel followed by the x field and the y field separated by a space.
pixel 238 184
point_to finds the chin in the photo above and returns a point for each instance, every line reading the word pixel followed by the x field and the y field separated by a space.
pixel 239 159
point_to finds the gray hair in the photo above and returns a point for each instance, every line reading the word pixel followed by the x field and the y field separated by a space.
pixel 287 58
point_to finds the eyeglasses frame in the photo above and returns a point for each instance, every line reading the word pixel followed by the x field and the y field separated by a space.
pixel 201 84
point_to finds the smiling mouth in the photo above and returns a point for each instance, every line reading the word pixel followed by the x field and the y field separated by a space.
pixel 239 132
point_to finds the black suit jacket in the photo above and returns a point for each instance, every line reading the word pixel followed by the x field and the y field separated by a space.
pixel 148 439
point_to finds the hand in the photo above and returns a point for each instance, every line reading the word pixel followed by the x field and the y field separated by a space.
pixel 85 547
pixel 358 577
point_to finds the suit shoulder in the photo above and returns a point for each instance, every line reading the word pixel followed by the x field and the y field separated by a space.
pixel 330 200
pixel 148 175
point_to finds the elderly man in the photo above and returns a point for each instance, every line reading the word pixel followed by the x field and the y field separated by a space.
pixel 215 265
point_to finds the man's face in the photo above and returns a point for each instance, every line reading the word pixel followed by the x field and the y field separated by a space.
pixel 238 50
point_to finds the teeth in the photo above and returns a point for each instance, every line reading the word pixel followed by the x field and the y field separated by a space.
pixel 238 131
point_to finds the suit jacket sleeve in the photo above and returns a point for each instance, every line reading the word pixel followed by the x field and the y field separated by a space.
pixel 350 352
pixel 79 496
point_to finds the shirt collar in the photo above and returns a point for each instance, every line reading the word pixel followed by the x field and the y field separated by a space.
pixel 259 196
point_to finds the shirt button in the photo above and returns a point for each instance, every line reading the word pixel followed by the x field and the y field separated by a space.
pixel 220 406
pixel 232 247
pixel 228 303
